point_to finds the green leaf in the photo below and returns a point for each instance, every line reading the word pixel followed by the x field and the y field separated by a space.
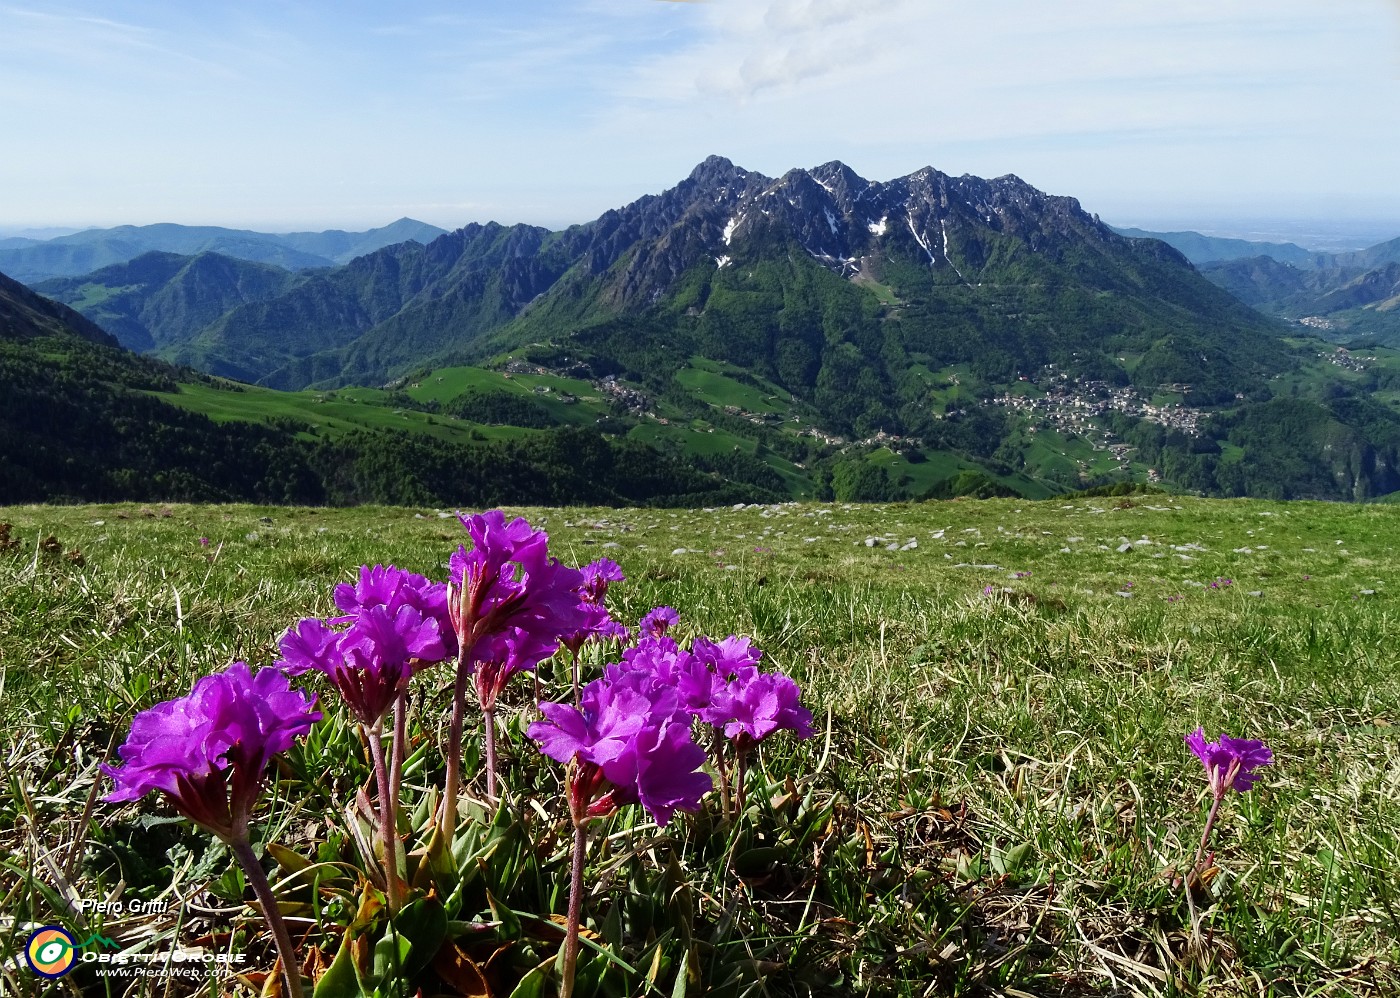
pixel 288 860
pixel 1017 856
pixel 424 924
pixel 510 922
pixel 535 983
pixel 340 979
pixel 682 976
pixel 390 954
pixel 757 860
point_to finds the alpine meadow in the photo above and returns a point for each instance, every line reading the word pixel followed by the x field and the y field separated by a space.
pixel 805 499
pixel 996 796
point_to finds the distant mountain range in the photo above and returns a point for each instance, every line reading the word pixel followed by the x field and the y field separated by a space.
pixel 33 260
pixel 809 333
pixel 1345 297
pixel 952 270
pixel 1342 297
pixel 1202 249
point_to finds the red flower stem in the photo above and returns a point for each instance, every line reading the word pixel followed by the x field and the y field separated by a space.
pixel 1210 826
pixel 718 744
pixel 1196 867
pixel 396 757
pixel 566 986
pixel 490 721
pixel 448 819
pixel 243 852
pixel 388 820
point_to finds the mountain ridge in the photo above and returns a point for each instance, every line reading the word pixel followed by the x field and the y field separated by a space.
pixel 80 253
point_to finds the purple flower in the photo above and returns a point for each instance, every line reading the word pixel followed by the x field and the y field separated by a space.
pixel 660 665
pixel 204 542
pixel 599 730
pixel 598 625
pixel 730 659
pixel 1230 763
pixel 660 771
pixel 371 661
pixel 988 590
pixel 596 577
pixel 392 588
pixel 497 657
pixel 658 621
pixel 752 710
pixel 207 751
pixel 625 734
pixel 508 579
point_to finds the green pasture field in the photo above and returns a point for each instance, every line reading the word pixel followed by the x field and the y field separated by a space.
pixel 711 381
pixel 329 414
pixel 998 800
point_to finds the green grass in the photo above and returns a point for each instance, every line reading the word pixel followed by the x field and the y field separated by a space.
pixel 997 797
pixel 712 382
pixel 446 383
pixel 329 414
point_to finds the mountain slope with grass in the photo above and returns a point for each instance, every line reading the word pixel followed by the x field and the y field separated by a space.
pixel 163 299
pixel 83 419
pixel 822 334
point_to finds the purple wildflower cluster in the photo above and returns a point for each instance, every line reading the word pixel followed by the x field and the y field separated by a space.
pixel 1230 764
pixel 393 624
pixel 630 736
pixel 207 750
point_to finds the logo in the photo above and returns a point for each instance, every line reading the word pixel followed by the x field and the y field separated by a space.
pixel 52 951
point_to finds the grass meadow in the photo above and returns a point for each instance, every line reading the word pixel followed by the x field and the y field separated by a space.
pixel 997 800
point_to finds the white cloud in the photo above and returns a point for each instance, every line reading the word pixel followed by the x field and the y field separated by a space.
pixel 1099 98
pixel 553 112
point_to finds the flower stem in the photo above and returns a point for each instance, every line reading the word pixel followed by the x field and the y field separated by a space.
pixel 718 744
pixel 400 746
pixel 448 819
pixel 1210 826
pixel 566 987
pixel 243 852
pixel 1196 867
pixel 490 722
pixel 388 820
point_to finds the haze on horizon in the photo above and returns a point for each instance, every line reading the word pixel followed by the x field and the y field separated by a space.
pixel 1229 119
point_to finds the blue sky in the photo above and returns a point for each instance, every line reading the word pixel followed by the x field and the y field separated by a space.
pixel 306 115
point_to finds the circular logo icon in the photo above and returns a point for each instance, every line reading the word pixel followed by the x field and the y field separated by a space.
pixel 51 951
